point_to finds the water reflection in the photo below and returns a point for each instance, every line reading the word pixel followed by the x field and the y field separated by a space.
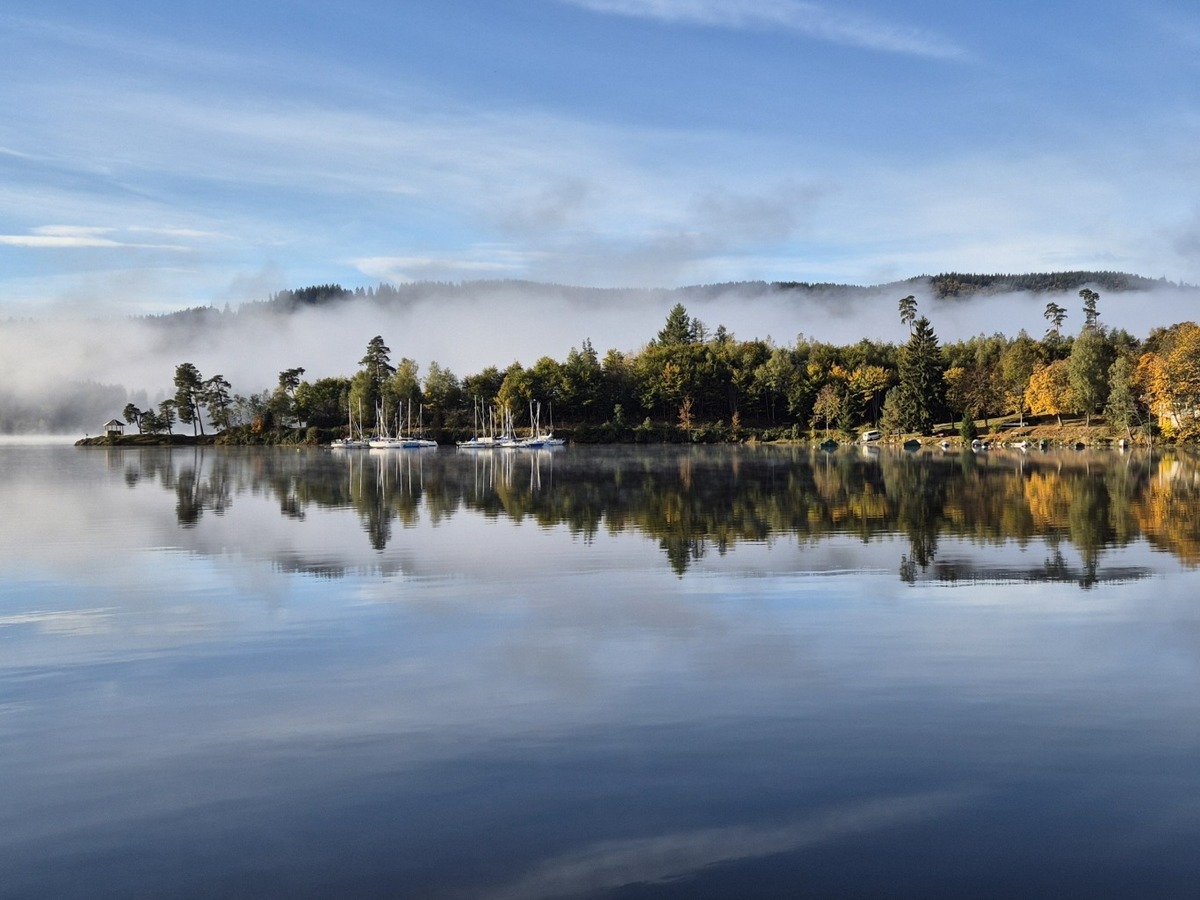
pixel 696 501
pixel 304 674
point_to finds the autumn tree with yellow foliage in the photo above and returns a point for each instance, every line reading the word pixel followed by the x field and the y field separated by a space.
pixel 1049 392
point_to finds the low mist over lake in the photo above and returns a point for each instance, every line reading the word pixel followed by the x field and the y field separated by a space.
pixel 78 367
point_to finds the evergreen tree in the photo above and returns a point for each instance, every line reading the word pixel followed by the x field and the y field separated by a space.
pixel 1090 315
pixel 167 415
pixel 921 382
pixel 891 421
pixel 1055 315
pixel 189 395
pixel 377 368
pixel 217 399
pixel 908 310
pixel 679 328
pixel 133 416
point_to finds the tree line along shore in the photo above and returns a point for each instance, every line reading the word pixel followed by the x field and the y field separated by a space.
pixel 693 383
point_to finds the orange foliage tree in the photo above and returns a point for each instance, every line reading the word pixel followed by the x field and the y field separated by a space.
pixel 1049 392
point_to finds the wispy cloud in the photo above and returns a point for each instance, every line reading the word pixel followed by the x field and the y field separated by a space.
pixel 812 20
pixel 486 263
pixel 62 237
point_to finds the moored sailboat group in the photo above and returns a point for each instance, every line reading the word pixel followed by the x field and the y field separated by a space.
pixel 505 438
pixel 405 438
pixel 488 435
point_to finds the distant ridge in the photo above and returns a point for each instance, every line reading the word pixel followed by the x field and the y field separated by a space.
pixel 957 284
pixel 944 286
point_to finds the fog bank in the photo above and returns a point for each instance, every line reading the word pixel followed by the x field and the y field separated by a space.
pixel 469 327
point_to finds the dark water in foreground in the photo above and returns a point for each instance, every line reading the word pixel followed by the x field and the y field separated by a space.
pixel 597 673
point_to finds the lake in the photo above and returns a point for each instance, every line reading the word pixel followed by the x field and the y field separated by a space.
pixel 613 672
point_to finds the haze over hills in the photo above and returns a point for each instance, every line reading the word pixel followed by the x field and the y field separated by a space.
pixel 70 375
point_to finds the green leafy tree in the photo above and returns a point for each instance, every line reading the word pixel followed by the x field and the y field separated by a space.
pixel 1015 368
pixel 485 385
pixel 283 401
pixel 253 411
pixel 974 390
pixel 868 384
pixel 546 380
pixel 1087 369
pixel 515 391
pixel 443 393
pixel 1121 408
pixel 738 362
pixel 324 403
pixel 402 393
pixel 582 380
pixel 618 389
pixel 774 378
pixel 828 404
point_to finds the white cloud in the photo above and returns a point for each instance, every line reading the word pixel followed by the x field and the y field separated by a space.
pixel 56 240
pixel 808 19
pixel 398 269
pixel 91 237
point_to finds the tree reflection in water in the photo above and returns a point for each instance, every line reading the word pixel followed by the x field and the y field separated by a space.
pixel 695 500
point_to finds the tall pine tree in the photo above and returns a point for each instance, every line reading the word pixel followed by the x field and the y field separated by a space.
pixel 921 386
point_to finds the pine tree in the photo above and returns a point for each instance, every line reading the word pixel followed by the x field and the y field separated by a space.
pixel 678 329
pixel 189 394
pixel 921 383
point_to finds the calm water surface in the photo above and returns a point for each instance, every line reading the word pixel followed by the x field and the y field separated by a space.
pixel 727 672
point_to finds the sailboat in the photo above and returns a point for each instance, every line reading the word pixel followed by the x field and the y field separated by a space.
pixel 400 442
pixel 538 440
pixel 350 442
pixel 480 441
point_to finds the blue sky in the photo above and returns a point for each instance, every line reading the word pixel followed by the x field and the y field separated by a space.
pixel 154 156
